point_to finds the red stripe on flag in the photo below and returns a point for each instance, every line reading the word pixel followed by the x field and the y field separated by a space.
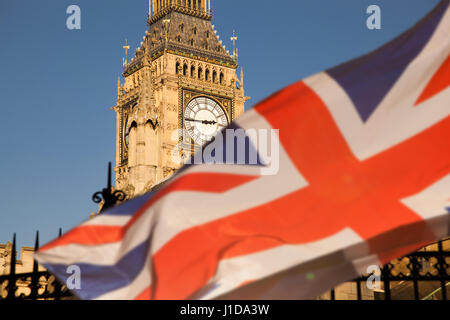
pixel 87 235
pixel 439 82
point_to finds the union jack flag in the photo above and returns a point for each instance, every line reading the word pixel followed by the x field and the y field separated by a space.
pixel 364 177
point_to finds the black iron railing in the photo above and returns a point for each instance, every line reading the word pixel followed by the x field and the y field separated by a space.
pixel 423 275
pixel 41 285
pixel 34 285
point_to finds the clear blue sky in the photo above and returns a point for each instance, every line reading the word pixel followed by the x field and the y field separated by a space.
pixel 56 87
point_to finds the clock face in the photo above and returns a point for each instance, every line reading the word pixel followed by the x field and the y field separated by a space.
pixel 204 118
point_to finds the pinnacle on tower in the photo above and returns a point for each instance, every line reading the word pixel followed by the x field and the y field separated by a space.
pixel 198 8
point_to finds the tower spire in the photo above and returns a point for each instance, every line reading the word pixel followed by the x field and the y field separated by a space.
pixel 234 38
pixel 126 47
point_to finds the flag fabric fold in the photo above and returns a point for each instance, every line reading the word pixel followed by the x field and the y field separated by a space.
pixel 362 176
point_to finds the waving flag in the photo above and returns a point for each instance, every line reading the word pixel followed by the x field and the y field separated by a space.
pixel 363 176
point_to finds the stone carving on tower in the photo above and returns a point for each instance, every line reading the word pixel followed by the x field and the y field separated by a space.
pixel 179 89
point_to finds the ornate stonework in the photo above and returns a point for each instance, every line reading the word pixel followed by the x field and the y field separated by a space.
pixel 180 59
pixel 24 265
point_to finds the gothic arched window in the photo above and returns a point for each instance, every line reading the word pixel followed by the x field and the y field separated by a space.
pixel 185 69
pixel 132 144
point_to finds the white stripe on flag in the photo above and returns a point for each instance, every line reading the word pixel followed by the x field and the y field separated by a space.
pixel 231 273
pixel 432 204
pixel 396 119
pixel 108 220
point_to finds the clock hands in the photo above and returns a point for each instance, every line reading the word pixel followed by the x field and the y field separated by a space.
pixel 201 121
pixel 205 122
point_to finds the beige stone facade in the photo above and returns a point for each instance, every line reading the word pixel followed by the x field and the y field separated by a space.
pixel 23 265
pixel 180 60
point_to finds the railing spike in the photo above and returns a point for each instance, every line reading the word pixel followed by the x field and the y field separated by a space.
pixel 13 256
pixel 36 241
pixel 35 276
pixel 107 197
pixel 12 273
pixel 109 176
pixel 442 270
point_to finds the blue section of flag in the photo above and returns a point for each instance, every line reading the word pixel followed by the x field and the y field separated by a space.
pixel 361 78
pixel 97 280
pixel 448 209
pixel 250 156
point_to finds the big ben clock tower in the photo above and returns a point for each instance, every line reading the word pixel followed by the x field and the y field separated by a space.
pixel 180 89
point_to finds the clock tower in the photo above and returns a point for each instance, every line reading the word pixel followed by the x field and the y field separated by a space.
pixel 179 90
